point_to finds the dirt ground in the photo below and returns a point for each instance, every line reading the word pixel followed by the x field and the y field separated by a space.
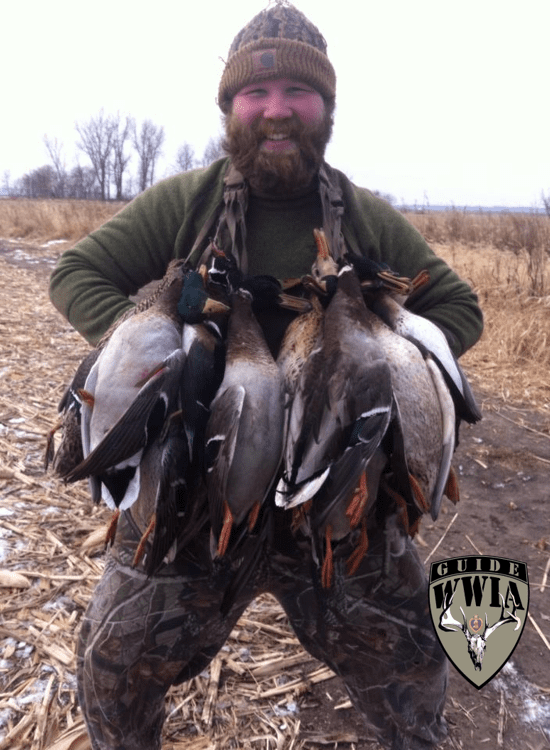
pixel 503 464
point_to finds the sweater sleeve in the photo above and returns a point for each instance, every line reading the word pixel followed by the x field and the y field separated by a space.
pixel 378 230
pixel 92 281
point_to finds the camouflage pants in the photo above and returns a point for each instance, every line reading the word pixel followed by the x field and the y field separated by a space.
pixel 141 635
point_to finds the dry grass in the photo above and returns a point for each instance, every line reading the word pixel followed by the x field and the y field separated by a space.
pixel 505 258
pixel 525 235
pixel 41 220
pixel 512 358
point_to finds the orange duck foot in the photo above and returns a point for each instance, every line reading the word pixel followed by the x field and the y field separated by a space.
pixel 226 531
pixel 253 516
pixel 451 488
pixel 358 502
pixel 143 541
pixel 327 568
pixel 359 552
pixel 111 529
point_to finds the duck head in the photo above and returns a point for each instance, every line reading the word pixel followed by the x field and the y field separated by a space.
pixel 194 304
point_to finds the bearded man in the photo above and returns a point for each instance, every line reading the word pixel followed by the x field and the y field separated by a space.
pixel 141 634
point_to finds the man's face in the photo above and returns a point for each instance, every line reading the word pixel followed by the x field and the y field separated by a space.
pixel 277 132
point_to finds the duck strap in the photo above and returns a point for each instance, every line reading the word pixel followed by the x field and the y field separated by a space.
pixel 230 233
pixel 332 204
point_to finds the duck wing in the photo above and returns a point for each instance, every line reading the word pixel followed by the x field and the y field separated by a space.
pixel 221 443
pixel 116 458
pixel 429 338
pixel 338 418
pixel 181 510
pixel 448 435
pixel 202 374
pixel 245 430
pixel 426 416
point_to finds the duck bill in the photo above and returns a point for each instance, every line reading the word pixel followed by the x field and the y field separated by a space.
pixel 296 304
pixel 214 306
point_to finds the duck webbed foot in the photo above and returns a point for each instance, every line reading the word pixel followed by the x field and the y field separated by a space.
pixel 111 528
pixel 140 551
pixel 354 560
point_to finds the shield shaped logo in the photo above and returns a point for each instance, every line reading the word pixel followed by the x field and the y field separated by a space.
pixel 478 606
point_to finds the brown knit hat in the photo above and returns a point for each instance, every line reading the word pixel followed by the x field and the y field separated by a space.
pixel 279 42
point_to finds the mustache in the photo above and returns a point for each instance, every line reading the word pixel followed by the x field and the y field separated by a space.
pixel 272 172
pixel 292 128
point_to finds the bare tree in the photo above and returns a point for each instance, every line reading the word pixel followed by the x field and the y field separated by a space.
pixel 185 159
pixel 82 183
pixel 214 150
pixel 55 148
pixel 148 144
pixel 97 137
pixel 122 134
pixel 546 203
pixel 40 183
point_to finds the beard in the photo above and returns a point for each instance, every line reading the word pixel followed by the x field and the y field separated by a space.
pixel 271 172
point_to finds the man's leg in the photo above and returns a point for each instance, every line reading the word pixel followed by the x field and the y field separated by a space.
pixel 141 635
pixel 374 630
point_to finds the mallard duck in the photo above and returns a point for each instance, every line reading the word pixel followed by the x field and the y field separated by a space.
pixel 407 463
pixel 244 433
pixel 426 416
pixel 69 453
pixel 134 386
pixel 424 409
pixel 385 299
pixel 430 339
pixel 342 403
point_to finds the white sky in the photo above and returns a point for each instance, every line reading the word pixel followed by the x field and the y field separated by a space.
pixel 448 101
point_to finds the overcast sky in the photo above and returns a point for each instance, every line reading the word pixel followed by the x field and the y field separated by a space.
pixel 437 100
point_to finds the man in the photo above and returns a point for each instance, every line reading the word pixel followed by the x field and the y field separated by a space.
pixel 140 635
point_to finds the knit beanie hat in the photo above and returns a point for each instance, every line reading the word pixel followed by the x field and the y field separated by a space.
pixel 280 42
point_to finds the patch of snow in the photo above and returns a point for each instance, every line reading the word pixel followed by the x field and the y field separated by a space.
pixel 4 550
pixel 534 708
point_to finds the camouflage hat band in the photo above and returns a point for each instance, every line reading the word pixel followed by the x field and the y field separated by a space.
pixel 276 58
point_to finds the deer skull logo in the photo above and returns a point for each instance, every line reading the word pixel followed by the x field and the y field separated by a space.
pixel 477 642
pixel 475 596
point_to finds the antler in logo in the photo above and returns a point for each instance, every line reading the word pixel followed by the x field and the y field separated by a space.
pixel 477 642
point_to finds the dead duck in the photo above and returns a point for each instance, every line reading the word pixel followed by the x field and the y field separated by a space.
pixel 244 433
pixel 69 452
pixel 427 417
pixel 134 386
pixel 342 403
pixel 408 462
pixel 386 299
pixel 425 411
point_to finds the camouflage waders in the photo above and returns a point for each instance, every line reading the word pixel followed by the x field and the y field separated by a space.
pixel 141 635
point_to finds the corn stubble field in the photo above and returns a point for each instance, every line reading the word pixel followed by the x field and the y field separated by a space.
pixel 262 690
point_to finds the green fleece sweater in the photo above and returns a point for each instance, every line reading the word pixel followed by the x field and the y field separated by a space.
pixel 91 282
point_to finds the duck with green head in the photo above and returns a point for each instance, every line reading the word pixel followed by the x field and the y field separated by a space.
pixel 134 386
